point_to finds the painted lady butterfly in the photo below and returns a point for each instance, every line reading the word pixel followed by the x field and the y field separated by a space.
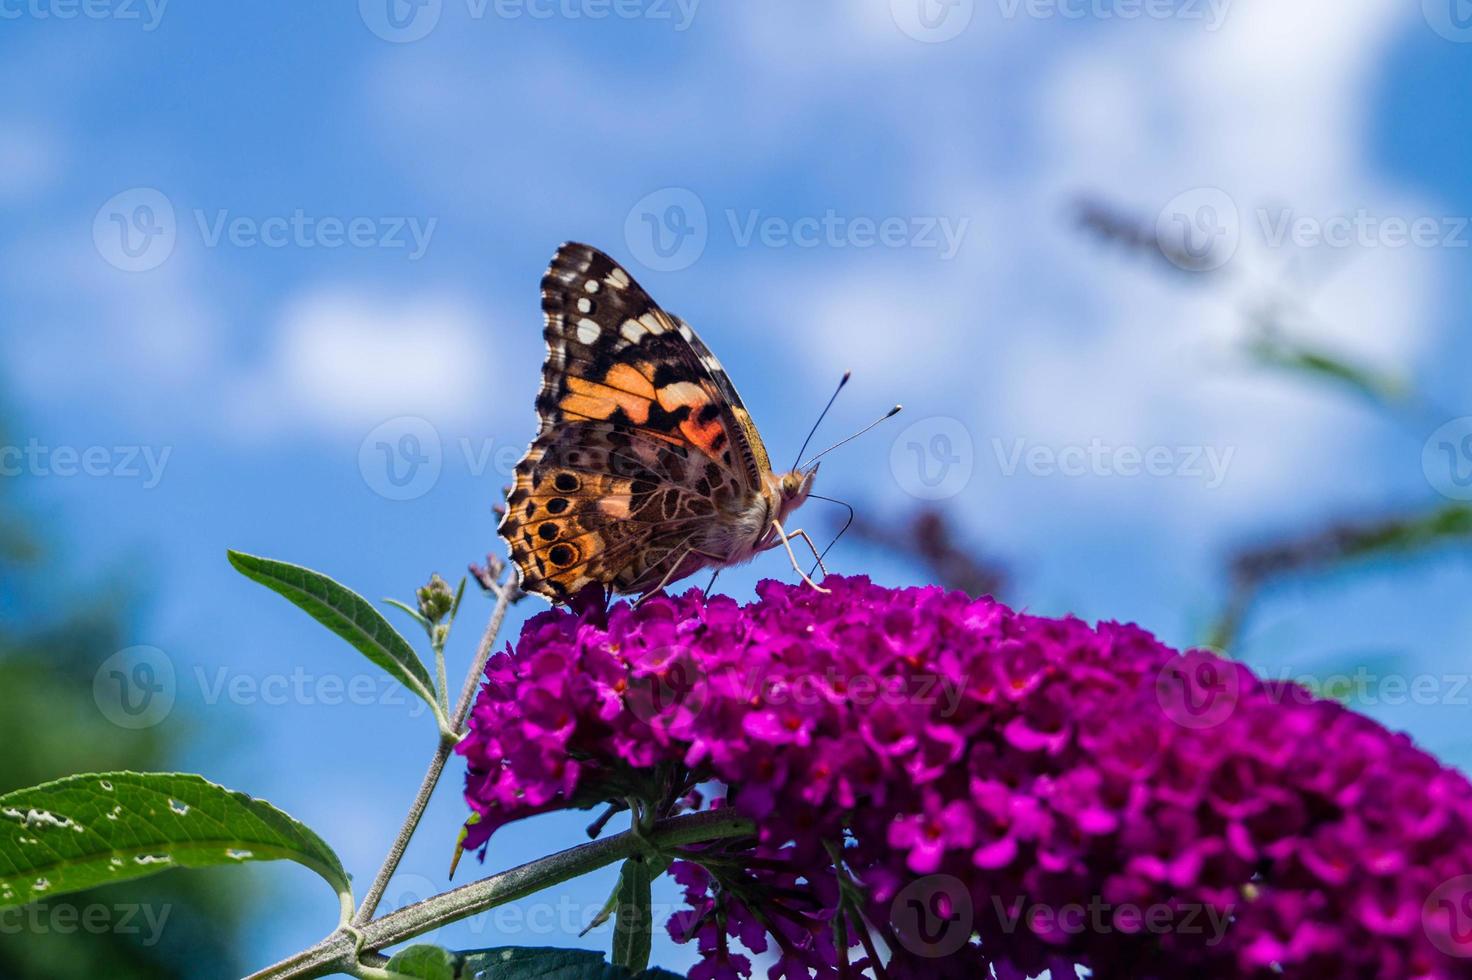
pixel 646 466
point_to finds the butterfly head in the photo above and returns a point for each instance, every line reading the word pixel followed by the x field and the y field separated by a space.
pixel 794 487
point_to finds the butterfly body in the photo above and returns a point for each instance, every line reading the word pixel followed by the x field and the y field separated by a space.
pixel 646 466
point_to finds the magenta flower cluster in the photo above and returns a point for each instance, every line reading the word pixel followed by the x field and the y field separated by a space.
pixel 942 787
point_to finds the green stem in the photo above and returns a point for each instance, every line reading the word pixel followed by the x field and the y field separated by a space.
pixel 338 953
pixel 450 736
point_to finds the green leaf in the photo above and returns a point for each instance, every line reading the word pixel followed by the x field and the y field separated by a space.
pixel 633 924
pixel 1274 351
pixel 412 612
pixel 534 963
pixel 347 614
pixel 547 963
pixel 99 828
pixel 424 963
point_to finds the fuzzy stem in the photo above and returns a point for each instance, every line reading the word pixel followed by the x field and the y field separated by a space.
pixel 506 594
pixel 338 953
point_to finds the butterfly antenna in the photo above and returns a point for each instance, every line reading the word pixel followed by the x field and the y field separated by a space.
pixel 843 442
pixel 846 524
pixel 814 430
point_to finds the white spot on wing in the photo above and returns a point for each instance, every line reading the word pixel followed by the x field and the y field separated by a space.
pixel 585 305
pixel 591 285
pixel 588 331
pixel 618 278
pixel 632 331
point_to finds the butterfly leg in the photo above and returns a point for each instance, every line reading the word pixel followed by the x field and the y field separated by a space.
pixel 800 533
pixel 674 566
pixel 786 540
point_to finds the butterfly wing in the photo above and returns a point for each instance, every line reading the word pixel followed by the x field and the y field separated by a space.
pixel 642 443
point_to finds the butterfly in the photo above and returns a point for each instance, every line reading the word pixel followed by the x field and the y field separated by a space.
pixel 646 467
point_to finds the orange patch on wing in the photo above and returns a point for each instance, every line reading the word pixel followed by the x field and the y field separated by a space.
pixel 630 379
pixel 599 401
pixel 709 437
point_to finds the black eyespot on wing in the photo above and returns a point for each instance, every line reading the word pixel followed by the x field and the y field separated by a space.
pixel 561 555
pixel 557 505
pixel 566 483
pixel 548 531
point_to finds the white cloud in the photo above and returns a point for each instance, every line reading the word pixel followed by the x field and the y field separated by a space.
pixel 345 358
pixel 97 333
pixel 1032 329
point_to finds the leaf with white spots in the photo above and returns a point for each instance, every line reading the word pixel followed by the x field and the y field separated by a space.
pixel 99 828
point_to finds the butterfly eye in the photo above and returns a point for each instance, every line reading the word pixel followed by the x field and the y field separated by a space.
pixel 566 482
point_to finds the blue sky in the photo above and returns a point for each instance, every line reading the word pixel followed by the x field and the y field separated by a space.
pixel 334 228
